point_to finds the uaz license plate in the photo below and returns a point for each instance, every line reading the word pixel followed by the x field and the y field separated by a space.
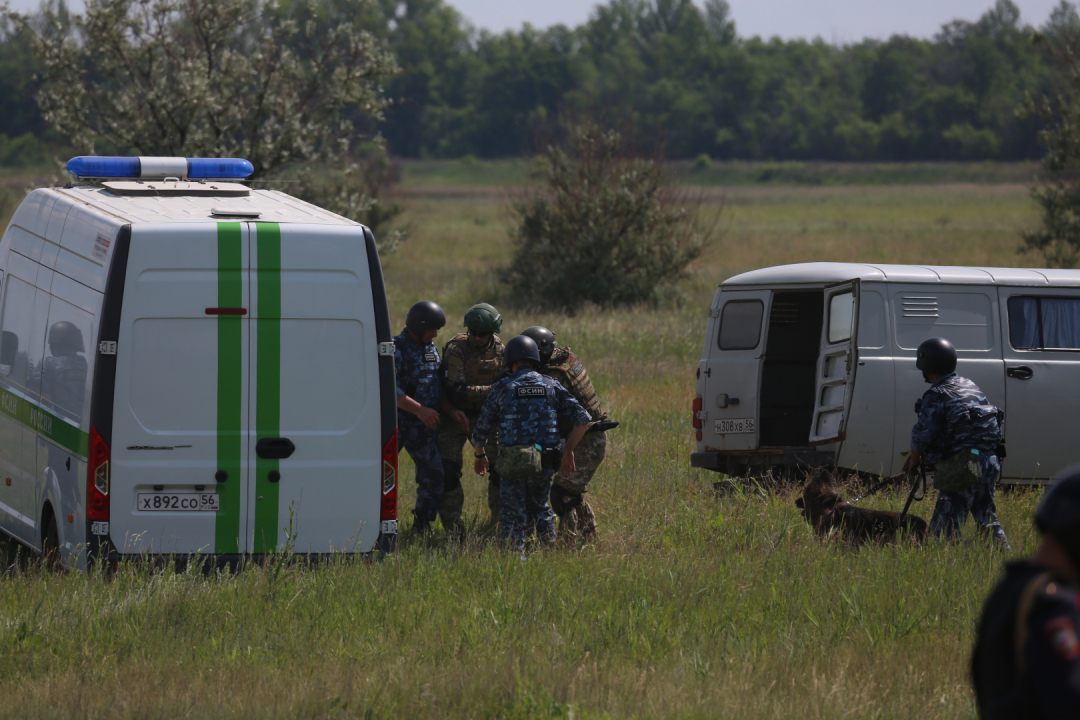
pixel 178 502
pixel 740 425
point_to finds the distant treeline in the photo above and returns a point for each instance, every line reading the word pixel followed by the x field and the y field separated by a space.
pixel 682 73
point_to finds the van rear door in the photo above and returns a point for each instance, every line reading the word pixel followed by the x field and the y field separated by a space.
pixel 732 370
pixel 316 450
pixel 836 364
pixel 181 407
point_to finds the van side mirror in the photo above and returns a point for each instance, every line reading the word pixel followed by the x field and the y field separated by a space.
pixel 9 348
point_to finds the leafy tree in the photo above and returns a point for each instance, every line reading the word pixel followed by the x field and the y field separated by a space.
pixel 602 226
pixel 1058 194
pixel 280 87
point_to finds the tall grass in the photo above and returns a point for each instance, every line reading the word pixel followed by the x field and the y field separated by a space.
pixel 692 605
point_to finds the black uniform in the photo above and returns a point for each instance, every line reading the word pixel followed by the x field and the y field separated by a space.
pixel 1033 608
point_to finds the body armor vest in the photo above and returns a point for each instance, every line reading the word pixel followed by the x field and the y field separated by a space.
pixel 568 369
pixel 467 368
pixel 480 367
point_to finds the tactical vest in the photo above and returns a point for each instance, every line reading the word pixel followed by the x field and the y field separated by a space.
pixel 478 369
pixel 528 415
pixel 575 378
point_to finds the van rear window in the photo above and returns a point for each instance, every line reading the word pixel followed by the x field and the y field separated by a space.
pixel 1044 323
pixel 740 325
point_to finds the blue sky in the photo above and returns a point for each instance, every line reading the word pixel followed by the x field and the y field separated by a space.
pixel 834 20
pixel 838 21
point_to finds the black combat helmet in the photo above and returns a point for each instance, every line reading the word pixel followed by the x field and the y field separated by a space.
pixel 544 339
pixel 936 356
pixel 1059 513
pixel 424 316
pixel 483 318
pixel 521 347
pixel 65 338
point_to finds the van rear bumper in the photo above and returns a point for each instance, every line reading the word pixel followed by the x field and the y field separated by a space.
pixel 735 463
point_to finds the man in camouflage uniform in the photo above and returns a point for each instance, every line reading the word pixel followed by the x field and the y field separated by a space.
pixel 525 405
pixel 419 392
pixel 955 417
pixel 576 518
pixel 470 361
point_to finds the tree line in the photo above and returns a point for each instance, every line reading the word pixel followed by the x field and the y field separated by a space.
pixel 675 71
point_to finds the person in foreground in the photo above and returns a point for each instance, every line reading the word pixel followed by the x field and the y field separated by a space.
pixel 1026 663
pixel 525 404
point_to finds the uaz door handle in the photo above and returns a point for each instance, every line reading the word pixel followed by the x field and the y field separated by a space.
pixel 1020 372
pixel 274 448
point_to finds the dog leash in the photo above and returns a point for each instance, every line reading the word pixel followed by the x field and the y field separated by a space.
pixel 880 486
pixel 920 479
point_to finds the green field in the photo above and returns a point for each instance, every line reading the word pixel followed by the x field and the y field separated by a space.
pixel 692 605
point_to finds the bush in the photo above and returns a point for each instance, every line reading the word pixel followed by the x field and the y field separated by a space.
pixel 601 226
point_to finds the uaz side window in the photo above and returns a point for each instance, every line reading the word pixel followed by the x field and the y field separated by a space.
pixel 1044 323
pixel 740 325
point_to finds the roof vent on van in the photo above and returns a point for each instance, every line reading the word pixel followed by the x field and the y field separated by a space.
pixel 235 212
pixel 920 306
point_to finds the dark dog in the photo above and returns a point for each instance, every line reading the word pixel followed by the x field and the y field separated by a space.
pixel 823 508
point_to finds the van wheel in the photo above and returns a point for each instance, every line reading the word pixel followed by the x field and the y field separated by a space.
pixel 50 543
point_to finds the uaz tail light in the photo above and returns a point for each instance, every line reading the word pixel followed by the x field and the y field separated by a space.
pixel 388 510
pixel 97 479
pixel 697 412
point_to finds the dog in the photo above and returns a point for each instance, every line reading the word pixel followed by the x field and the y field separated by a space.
pixel 823 508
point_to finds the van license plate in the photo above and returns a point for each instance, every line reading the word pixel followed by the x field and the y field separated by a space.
pixel 741 425
pixel 179 502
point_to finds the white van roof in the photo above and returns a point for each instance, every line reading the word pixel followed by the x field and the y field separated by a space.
pixel 270 206
pixel 819 273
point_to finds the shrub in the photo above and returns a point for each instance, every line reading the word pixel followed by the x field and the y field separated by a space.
pixel 601 225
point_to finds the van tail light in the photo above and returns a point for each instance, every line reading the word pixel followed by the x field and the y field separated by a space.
pixel 388 510
pixel 697 411
pixel 97 479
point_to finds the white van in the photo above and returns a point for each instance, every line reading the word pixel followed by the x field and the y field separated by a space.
pixel 192 368
pixel 815 364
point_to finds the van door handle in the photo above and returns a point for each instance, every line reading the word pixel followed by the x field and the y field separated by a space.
pixel 274 448
pixel 1020 372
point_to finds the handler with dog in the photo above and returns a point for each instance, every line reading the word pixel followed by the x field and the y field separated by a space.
pixel 958 432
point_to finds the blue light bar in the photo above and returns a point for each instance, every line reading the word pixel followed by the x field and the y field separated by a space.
pixel 219 168
pixel 93 166
pixel 158 168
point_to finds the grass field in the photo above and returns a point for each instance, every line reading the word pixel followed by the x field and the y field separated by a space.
pixel 692 605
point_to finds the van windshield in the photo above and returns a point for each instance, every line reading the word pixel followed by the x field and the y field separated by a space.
pixel 740 325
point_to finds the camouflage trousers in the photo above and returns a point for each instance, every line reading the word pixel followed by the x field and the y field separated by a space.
pixel 452 439
pixel 952 509
pixel 576 518
pixel 422 446
pixel 525 507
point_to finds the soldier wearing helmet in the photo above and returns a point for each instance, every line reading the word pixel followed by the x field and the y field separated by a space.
pixel 576 517
pixel 959 433
pixel 525 406
pixel 469 364
pixel 1026 662
pixel 419 393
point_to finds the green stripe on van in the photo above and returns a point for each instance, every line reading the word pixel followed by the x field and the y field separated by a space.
pixel 229 378
pixel 268 383
pixel 44 423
